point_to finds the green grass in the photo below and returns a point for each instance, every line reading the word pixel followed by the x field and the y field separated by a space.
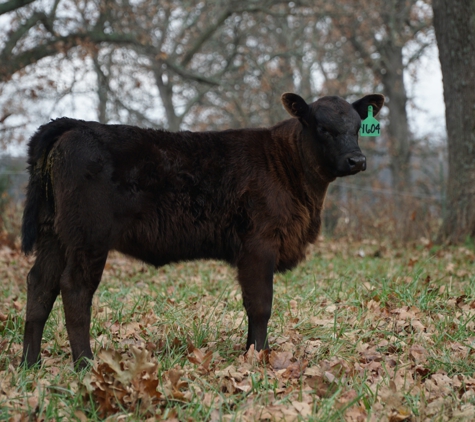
pixel 379 333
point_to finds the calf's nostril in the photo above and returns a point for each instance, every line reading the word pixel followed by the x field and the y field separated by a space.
pixel 356 163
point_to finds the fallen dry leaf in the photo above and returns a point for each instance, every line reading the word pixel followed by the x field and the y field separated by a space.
pixel 197 357
pixel 280 360
pixel 305 409
pixel 123 382
pixel 295 369
pixel 356 414
pixel 419 353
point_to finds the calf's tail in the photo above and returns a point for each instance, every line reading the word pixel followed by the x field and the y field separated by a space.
pixel 39 147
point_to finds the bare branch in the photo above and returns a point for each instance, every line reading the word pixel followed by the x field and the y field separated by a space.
pixel 136 113
pixel 195 100
pixel 419 52
pixel 19 33
pixel 205 36
pixel 189 75
pixel 11 5
pixel 11 65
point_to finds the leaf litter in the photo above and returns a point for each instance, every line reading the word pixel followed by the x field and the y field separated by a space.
pixel 357 355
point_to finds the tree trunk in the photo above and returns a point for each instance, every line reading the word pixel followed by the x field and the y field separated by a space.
pixel 454 23
pixel 398 128
pixel 102 90
pixel 166 95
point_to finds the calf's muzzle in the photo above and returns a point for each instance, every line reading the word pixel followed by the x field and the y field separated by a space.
pixel 351 163
pixel 357 163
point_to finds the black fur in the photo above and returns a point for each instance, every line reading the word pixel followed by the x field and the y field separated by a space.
pixel 251 197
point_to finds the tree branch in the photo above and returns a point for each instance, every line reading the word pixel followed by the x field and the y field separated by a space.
pixel 12 64
pixel 136 113
pixel 417 55
pixel 8 6
pixel 205 36
pixel 189 75
pixel 195 100
pixel 19 33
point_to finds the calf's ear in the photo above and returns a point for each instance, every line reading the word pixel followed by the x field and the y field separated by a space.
pixel 361 105
pixel 295 105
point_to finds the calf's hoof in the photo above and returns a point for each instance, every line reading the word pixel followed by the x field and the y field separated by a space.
pixel 82 364
pixel 28 362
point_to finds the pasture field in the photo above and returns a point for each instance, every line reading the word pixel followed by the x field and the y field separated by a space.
pixel 360 331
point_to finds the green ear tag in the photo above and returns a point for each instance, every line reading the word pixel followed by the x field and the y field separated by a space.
pixel 370 126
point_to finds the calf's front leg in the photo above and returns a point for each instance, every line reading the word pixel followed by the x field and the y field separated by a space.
pixel 256 277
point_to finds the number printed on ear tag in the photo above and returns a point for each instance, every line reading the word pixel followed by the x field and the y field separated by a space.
pixel 370 126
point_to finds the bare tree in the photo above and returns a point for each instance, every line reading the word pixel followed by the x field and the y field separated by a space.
pixel 212 65
pixel 38 36
pixel 220 64
pixel 454 23
pixel 35 33
pixel 378 31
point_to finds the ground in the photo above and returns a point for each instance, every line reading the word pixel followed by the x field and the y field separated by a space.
pixel 360 331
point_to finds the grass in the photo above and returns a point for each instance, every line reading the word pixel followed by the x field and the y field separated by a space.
pixel 359 331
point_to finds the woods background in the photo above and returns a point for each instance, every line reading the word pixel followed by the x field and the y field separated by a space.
pixel 189 65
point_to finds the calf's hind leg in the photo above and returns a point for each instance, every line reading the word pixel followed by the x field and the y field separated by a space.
pixel 256 276
pixel 78 283
pixel 42 290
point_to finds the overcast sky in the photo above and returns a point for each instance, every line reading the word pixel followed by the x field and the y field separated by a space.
pixel 429 116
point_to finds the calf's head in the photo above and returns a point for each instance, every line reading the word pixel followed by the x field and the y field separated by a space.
pixel 329 131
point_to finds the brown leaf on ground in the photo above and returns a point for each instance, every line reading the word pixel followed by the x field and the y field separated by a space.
pixel 81 416
pixel 322 387
pixel 295 369
pixel 356 414
pixel 304 408
pixel 280 360
pixel 203 360
pixel 252 356
pixel 418 353
pixel 126 381
pixel 393 404
pixel 400 415
pixel 277 412
pixel 174 386
pixel 346 398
